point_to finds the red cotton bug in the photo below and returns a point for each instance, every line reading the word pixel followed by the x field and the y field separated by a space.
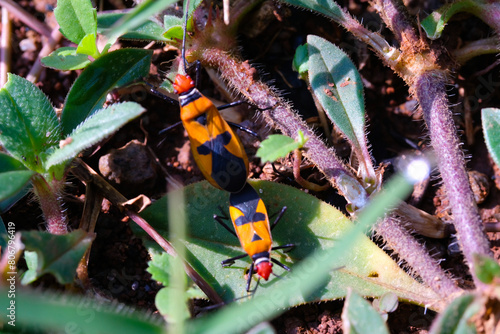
pixel 217 150
pixel 251 223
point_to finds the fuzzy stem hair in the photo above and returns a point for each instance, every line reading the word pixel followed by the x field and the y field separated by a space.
pixel 48 195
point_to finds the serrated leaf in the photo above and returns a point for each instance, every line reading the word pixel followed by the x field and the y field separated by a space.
pixel 88 46
pixel 455 319
pixel 89 91
pixel 359 317
pixel 28 124
pixel 141 14
pixel 486 268
pixel 66 59
pixel 76 18
pixel 434 24
pixel 149 30
pixel 57 254
pixel 309 223
pixel 490 118
pixel 275 147
pixel 159 267
pixel 94 129
pixel 338 87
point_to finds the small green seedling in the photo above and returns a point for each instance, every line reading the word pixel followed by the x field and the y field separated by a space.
pixel 279 146
pixel 39 151
pixel 161 267
pixel 79 23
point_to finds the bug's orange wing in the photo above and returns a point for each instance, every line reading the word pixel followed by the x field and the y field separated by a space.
pixel 216 148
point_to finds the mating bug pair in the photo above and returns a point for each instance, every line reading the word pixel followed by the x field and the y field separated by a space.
pixel 221 158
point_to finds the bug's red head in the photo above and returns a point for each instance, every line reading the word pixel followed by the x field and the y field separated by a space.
pixel 264 269
pixel 182 83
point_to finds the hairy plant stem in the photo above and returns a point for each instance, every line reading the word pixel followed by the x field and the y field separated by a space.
pixel 392 229
pixel 431 94
pixel 48 195
pixel 428 85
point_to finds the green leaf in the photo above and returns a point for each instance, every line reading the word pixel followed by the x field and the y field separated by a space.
pixel 7 203
pixel 142 13
pixel 159 267
pixel 328 8
pixel 456 317
pixel 309 223
pixel 491 127
pixel 149 30
pixel 10 164
pixel 337 85
pixel 66 59
pixel 358 316
pixel 13 182
pixel 388 303
pixel 301 61
pixel 88 46
pixel 94 129
pixel 89 91
pixel 487 268
pixel 434 24
pixel 164 302
pixel 57 254
pixel 28 124
pixel 174 26
pixel 30 275
pixel 76 19
pixel 63 313
pixel 276 146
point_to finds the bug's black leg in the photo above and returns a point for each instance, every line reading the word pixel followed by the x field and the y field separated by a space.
pixel 282 212
pixel 281 264
pixel 219 219
pixel 289 246
pixel 244 129
pixel 229 105
pixel 153 90
pixel 281 174
pixel 230 262
pixel 168 128
pixel 249 280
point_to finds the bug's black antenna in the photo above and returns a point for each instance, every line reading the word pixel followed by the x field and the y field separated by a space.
pixel 183 51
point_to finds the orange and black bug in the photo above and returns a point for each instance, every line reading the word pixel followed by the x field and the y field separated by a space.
pixel 251 223
pixel 216 148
